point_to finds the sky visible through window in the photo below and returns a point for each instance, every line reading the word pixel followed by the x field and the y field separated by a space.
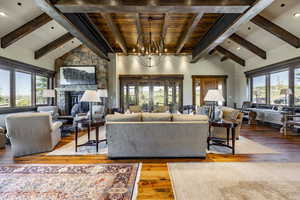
pixel 4 82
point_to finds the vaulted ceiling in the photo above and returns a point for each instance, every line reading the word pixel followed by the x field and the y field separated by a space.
pixel 188 27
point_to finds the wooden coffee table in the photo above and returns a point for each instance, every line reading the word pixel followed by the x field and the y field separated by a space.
pixel 89 124
pixel 219 141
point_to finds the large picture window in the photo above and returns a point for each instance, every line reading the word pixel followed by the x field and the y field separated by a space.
pixel 23 89
pixel 259 92
pixel 41 83
pixel 297 86
pixel 279 84
pixel 4 88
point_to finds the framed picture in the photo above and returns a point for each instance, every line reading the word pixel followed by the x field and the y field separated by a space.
pixel 78 75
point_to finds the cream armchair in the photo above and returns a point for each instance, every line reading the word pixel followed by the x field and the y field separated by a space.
pixel 229 114
pixel 32 133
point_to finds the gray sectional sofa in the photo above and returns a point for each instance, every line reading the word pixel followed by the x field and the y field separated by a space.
pixel 156 135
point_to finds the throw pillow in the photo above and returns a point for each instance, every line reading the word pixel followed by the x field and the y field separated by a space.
pixel 234 115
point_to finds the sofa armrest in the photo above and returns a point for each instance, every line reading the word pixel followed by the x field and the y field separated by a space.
pixel 56 125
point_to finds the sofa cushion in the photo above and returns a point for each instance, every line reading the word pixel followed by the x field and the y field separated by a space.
pixel 177 117
pixel 136 117
pixel 156 117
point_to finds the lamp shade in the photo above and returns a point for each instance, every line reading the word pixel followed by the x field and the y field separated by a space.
pixel 286 91
pixel 214 95
pixel 102 93
pixel 47 93
pixel 90 96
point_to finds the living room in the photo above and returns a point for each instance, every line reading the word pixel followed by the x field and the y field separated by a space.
pixel 149 99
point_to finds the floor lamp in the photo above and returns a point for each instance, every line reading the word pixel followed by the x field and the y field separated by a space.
pixel 214 96
pixel 90 96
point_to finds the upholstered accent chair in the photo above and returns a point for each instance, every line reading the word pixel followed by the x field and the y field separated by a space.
pixel 161 109
pixel 135 109
pixel 229 114
pixel 2 138
pixel 32 133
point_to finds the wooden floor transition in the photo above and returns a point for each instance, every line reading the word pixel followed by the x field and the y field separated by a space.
pixel 155 181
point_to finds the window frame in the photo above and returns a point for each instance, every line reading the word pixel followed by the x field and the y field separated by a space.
pixel 266 88
pixel 14 66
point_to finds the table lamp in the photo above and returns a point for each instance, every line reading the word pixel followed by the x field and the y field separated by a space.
pixel 214 96
pixel 90 96
pixel 49 93
pixel 286 92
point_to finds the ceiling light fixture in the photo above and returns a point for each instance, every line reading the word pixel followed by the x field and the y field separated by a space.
pixel 2 14
pixel 297 15
pixel 239 48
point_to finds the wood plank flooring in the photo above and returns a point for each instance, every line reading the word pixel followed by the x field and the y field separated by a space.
pixel 155 181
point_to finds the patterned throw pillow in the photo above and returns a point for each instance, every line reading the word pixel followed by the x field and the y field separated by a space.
pixel 234 115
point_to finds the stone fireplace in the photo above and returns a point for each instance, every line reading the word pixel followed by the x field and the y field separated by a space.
pixel 68 95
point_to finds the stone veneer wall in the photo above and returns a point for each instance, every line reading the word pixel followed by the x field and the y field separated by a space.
pixel 80 56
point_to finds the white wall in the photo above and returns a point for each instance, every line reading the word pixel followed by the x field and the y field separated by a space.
pixel 178 65
pixel 284 52
pixel 25 55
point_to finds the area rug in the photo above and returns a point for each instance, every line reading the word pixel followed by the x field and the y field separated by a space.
pixel 235 181
pixel 243 146
pixel 69 149
pixel 68 182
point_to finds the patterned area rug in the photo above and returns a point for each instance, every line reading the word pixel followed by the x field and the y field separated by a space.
pixel 235 181
pixel 68 182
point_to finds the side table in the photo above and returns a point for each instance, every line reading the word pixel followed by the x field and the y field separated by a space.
pixel 219 141
pixel 89 124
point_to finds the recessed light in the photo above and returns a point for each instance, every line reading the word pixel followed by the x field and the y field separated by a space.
pixel 249 28
pixel 19 4
pixel 239 48
pixel 52 27
pixel 297 15
pixel 282 5
pixel 2 14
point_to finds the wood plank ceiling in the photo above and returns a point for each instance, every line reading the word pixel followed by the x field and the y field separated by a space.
pixel 193 27
pixel 177 24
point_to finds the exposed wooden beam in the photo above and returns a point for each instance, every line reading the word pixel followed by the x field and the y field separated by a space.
pixel 76 24
pixel 276 30
pixel 53 45
pixel 248 45
pixel 24 30
pixel 150 6
pixel 188 31
pixel 231 55
pixel 116 32
pixel 165 25
pixel 139 28
pixel 224 58
pixel 225 27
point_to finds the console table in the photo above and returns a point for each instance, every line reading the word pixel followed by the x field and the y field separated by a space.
pixel 89 124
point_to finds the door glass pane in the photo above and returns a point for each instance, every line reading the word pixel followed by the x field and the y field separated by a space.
pixel 23 89
pixel 125 96
pixel 158 95
pixel 259 89
pixel 297 86
pixel 170 95
pixel 279 88
pixel 41 83
pixel 4 88
pixel 144 97
pixel 131 95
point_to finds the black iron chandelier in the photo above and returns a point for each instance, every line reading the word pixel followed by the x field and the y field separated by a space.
pixel 150 52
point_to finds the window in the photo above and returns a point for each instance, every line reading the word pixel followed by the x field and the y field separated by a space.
pixel 131 95
pixel 41 83
pixel 4 88
pixel 259 89
pixel 158 95
pixel 279 84
pixel 297 86
pixel 23 89
pixel 144 97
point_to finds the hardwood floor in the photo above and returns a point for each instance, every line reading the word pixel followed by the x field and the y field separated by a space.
pixel 155 181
